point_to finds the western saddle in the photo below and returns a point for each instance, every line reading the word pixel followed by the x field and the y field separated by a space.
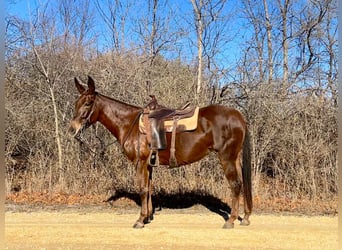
pixel 154 116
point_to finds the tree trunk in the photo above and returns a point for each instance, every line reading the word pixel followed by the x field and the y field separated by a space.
pixel 58 139
pixel 199 31
pixel 284 10
pixel 269 43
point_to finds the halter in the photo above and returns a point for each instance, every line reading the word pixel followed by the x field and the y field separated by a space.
pixel 86 124
pixel 87 120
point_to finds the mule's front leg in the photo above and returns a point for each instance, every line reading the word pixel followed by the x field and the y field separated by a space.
pixel 149 198
pixel 142 179
pixel 143 212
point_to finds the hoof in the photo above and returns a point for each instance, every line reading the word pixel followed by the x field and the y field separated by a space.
pixel 228 225
pixel 138 225
pixel 148 219
pixel 245 222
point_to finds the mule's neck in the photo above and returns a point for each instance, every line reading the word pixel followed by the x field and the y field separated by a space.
pixel 118 117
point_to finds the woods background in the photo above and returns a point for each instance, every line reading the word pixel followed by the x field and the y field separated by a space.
pixel 275 61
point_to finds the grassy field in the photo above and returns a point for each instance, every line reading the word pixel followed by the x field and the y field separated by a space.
pixel 191 228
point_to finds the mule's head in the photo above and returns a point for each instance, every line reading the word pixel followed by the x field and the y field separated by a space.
pixel 85 112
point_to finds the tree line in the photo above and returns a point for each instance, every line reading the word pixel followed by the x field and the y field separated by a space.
pixel 281 74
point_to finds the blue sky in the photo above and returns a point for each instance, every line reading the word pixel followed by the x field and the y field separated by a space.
pixel 237 49
pixel 233 45
pixel 19 7
pixel 22 9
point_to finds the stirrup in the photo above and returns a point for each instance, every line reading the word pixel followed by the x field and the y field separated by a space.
pixel 153 158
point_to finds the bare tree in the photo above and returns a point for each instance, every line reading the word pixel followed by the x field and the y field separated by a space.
pixel 44 68
pixel 269 42
pixel 211 21
pixel 284 10
pixel 156 35
pixel 49 58
pixel 76 20
pixel 254 17
pixel 330 43
pixel 115 15
pixel 309 23
pixel 199 24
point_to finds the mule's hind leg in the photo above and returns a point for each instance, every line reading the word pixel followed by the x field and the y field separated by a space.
pixel 245 221
pixel 230 168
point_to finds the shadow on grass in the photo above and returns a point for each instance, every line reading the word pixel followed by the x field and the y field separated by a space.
pixel 179 201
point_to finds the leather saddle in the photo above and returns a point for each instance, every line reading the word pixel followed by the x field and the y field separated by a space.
pixel 167 114
pixel 186 116
pixel 157 120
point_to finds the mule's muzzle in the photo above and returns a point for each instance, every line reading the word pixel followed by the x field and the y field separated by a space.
pixel 72 131
pixel 75 128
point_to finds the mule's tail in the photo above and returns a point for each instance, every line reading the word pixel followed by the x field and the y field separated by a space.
pixel 247 171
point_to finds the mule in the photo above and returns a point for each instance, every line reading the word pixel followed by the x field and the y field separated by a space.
pixel 220 128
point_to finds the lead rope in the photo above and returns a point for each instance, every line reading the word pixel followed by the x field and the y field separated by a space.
pixel 131 128
pixel 138 159
pixel 126 137
pixel 78 138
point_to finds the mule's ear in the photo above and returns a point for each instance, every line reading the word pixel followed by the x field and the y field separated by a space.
pixel 79 87
pixel 91 85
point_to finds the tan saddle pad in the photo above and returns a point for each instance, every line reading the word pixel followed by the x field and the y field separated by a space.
pixel 184 124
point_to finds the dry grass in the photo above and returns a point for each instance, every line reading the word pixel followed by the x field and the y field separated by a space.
pixel 192 228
